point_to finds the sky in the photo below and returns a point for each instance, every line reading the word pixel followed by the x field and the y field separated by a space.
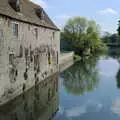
pixel 104 12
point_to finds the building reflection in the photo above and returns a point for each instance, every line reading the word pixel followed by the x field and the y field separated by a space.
pixel 81 77
pixel 39 103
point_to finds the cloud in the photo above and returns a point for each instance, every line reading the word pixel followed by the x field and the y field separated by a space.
pixel 110 70
pixel 41 3
pixel 116 107
pixel 76 111
pixel 108 74
pixel 63 16
pixel 108 11
pixel 80 110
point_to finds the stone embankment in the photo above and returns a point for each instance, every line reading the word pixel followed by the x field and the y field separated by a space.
pixel 66 60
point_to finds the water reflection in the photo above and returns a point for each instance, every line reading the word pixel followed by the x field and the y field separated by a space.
pixel 115 53
pixel 39 103
pixel 101 103
pixel 81 77
pixel 118 78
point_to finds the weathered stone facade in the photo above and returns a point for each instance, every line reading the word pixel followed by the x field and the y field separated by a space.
pixel 25 59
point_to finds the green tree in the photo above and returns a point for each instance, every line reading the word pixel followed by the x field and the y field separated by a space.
pixel 110 38
pixel 118 27
pixel 114 38
pixel 106 37
pixel 82 35
pixel 118 30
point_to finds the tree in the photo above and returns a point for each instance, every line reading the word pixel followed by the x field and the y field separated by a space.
pixel 114 38
pixel 110 38
pixel 106 37
pixel 82 35
pixel 118 27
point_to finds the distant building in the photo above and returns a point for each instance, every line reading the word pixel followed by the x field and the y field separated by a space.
pixel 29 47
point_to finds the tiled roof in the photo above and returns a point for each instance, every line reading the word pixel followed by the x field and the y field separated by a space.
pixel 28 13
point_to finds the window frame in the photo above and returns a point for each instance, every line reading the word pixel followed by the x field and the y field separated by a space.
pixel 14 32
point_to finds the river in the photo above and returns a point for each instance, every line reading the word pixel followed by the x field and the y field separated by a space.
pixel 87 90
pixel 90 90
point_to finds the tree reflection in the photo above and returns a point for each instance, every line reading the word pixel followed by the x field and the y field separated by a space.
pixel 81 77
pixel 118 78
pixel 115 53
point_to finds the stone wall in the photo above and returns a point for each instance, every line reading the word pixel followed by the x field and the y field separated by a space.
pixel 66 60
pixel 25 59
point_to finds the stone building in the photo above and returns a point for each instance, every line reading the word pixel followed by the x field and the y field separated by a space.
pixel 29 47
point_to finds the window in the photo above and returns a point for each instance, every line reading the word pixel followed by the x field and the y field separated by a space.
pixel 53 35
pixel 36 33
pixel 15 29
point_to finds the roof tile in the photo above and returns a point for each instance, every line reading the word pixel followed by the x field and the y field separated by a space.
pixel 28 13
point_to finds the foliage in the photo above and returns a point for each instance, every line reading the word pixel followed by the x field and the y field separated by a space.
pixel 83 36
pixel 110 38
pixel 118 28
pixel 76 58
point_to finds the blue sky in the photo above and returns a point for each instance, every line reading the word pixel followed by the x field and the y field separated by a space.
pixel 104 12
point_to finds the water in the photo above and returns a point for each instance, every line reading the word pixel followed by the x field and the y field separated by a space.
pixel 90 90
pixel 39 103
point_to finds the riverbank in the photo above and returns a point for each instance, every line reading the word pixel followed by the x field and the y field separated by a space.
pixel 91 89
pixel 66 60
